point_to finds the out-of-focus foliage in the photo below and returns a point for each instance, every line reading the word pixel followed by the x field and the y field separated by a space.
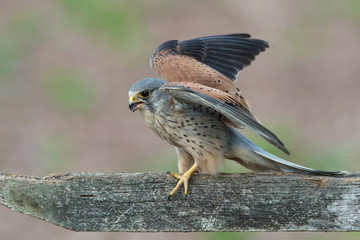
pixel 55 154
pixel 117 22
pixel 163 162
pixel 15 39
pixel 352 7
pixel 70 91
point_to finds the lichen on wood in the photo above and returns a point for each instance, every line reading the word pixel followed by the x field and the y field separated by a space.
pixel 226 202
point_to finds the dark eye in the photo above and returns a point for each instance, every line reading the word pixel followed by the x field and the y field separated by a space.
pixel 144 94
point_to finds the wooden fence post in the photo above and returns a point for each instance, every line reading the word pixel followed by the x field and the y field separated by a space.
pixel 137 202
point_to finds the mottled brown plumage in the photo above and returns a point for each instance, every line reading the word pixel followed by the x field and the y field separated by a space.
pixel 213 62
pixel 188 61
pixel 175 67
pixel 197 106
pixel 216 94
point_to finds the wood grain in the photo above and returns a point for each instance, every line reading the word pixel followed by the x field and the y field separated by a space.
pixel 137 202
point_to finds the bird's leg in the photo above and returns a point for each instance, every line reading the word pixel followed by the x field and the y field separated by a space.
pixel 183 179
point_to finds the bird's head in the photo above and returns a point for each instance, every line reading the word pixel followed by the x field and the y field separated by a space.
pixel 145 94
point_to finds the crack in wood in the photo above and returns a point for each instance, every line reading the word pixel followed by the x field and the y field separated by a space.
pixel 227 202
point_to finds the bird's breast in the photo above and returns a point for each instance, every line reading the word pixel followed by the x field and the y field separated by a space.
pixel 197 132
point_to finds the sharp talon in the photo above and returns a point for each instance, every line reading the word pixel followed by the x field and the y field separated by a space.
pixel 169 197
pixel 168 172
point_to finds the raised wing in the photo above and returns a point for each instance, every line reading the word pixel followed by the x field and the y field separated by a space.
pixel 212 61
pixel 225 55
pixel 223 103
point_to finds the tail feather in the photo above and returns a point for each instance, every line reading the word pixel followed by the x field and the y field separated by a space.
pixel 255 158
pixel 286 166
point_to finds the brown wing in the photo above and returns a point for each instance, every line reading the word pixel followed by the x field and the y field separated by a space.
pixel 212 61
pixel 213 93
pixel 206 57
pixel 233 112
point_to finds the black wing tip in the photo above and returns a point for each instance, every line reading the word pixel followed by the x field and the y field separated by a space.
pixel 239 36
pixel 231 53
pixel 195 48
pixel 233 35
pixel 172 44
pixel 270 137
pixel 282 148
pixel 274 140
pixel 168 45
pixel 228 53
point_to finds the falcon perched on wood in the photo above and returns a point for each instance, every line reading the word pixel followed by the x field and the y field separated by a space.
pixel 198 109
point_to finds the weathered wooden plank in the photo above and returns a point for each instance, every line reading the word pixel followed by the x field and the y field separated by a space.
pixel 227 202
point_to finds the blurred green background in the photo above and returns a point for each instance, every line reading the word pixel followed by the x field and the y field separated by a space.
pixel 66 66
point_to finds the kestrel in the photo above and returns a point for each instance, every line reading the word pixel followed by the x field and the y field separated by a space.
pixel 198 109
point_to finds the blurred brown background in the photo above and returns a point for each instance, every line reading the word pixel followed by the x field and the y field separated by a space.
pixel 66 66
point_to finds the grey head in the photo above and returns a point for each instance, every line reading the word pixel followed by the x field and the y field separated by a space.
pixel 145 95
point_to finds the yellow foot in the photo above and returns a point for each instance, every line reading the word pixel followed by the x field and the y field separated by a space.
pixel 183 179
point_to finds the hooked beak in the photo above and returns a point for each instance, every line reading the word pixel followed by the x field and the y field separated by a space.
pixel 134 104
